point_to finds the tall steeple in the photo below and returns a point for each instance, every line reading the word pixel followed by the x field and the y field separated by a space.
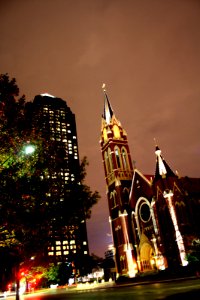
pixel 114 146
pixel 118 175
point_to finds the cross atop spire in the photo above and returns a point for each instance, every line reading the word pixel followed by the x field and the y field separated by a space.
pixel 108 112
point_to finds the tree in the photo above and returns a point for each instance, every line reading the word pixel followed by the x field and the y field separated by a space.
pixel 25 209
pixel 52 274
pixel 20 213
pixel 18 170
pixel 11 118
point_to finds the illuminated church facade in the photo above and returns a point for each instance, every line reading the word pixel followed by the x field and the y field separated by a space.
pixel 155 220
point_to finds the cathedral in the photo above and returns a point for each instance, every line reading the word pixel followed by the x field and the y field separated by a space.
pixel 155 220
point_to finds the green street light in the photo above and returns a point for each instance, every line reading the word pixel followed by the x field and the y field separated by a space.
pixel 29 149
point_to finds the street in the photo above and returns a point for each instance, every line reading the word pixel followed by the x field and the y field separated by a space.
pixel 176 290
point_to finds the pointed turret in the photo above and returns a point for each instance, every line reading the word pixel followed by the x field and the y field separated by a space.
pixel 162 168
pixel 108 112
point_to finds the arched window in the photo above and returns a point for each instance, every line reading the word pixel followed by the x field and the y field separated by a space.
pixel 125 158
pixel 125 195
pixel 110 159
pixel 116 131
pixel 113 198
pixel 107 163
pixel 118 158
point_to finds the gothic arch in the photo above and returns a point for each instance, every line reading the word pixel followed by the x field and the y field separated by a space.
pixel 113 199
pixel 125 158
pixel 110 159
pixel 107 163
pixel 125 194
pixel 118 157
pixel 146 249
pixel 137 211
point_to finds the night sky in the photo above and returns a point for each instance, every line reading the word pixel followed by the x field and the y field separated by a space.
pixel 148 54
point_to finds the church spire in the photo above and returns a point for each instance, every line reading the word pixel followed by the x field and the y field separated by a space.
pixel 119 171
pixel 162 168
pixel 108 112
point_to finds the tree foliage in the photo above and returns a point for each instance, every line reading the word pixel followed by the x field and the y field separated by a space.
pixel 25 208
pixel 20 207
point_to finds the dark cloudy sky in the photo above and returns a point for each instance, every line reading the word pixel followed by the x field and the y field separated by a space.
pixel 148 54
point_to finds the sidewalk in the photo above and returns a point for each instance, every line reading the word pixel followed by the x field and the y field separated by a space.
pixel 149 279
pixel 183 273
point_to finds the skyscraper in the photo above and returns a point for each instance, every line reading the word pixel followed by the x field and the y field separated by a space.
pixel 55 121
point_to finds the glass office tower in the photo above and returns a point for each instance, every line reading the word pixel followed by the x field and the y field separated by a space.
pixel 55 120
